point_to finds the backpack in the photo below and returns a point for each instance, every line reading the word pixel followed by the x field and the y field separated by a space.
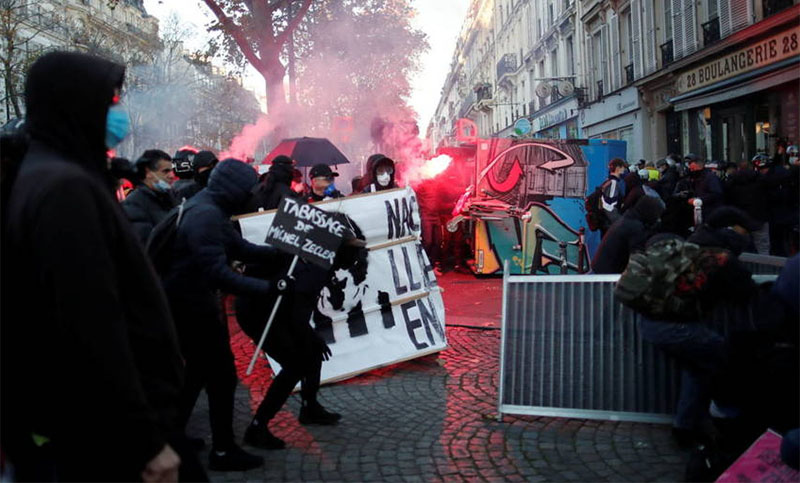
pixel 595 218
pixel 667 280
pixel 162 239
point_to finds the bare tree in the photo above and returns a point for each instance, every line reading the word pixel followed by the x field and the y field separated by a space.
pixel 21 22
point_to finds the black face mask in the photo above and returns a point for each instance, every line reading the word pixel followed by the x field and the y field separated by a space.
pixel 202 178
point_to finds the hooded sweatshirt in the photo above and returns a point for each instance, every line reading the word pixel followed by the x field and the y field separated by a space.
pixel 371 179
pixel 207 242
pixel 626 235
pixel 89 352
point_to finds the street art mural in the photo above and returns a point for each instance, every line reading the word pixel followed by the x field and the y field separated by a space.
pixel 527 203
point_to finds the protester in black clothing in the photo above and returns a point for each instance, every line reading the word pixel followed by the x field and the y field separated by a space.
pixel 275 184
pixel 626 235
pixel 291 340
pixel 322 183
pixel 613 193
pixel 206 242
pixel 182 167
pixel 669 177
pixel 746 189
pixel 152 199
pixel 705 185
pixel 90 363
pixel 380 174
pixel 781 189
pixel 355 185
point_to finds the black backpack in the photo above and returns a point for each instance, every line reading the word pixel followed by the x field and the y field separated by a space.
pixel 595 218
pixel 159 246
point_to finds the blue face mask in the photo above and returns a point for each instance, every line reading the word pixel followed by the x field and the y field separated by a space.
pixel 118 125
pixel 330 190
pixel 162 186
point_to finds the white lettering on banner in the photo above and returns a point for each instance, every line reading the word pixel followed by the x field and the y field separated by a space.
pixel 318 219
pixel 766 52
pixel 313 249
pixel 284 236
pixel 387 311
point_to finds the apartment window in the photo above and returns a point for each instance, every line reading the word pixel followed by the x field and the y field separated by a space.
pixel 598 61
pixel 625 33
pixel 554 63
pixel 550 13
pixel 570 56
pixel 711 9
pixel 667 21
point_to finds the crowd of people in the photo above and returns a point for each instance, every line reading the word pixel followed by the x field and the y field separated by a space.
pixel 121 272
pixel 734 383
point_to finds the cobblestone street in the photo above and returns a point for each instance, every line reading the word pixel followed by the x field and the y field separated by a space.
pixel 434 419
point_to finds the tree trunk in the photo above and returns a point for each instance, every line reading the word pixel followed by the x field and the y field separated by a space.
pixel 276 94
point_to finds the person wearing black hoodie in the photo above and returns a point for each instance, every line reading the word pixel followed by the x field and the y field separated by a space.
pixel 202 164
pixel 746 189
pixel 380 174
pixel 205 244
pixel 273 186
pixel 627 235
pixel 91 368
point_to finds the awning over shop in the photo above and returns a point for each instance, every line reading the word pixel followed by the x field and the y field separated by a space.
pixel 748 83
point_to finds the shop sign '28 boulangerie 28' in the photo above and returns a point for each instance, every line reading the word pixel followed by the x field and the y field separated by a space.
pixel 390 312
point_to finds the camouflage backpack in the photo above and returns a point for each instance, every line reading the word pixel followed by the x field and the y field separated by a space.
pixel 666 282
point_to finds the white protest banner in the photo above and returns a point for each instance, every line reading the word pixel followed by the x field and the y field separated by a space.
pixel 390 312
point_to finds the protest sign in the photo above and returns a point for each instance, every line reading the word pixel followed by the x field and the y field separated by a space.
pixel 388 311
pixel 305 230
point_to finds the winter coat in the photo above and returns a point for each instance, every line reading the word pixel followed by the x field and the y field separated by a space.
pixel 145 208
pixel 747 190
pixel 185 189
pixel 781 195
pixel 626 235
pixel 207 242
pixel 667 183
pixel 708 187
pixel 90 358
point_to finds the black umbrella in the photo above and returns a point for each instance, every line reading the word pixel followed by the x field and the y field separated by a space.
pixel 308 152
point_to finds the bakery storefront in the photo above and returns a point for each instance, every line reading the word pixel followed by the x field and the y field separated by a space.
pixel 743 100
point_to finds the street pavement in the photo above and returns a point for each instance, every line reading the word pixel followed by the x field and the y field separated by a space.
pixel 434 419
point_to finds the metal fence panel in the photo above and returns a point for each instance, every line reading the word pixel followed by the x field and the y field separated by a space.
pixel 569 349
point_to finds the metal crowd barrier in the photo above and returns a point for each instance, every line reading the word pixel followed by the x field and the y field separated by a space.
pixel 762 264
pixel 569 349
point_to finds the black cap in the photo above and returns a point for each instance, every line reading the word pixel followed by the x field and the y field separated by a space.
pixel 321 170
pixel 693 158
pixel 204 159
pixel 282 159
pixel 729 216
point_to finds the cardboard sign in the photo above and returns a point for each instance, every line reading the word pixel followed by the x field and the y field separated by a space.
pixel 761 462
pixel 305 230
pixel 388 311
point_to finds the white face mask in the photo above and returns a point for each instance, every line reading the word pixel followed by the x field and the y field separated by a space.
pixel 384 179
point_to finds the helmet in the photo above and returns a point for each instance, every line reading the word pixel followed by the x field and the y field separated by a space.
pixel 792 150
pixel 761 161
pixel 204 159
pixel 182 162
pixel 692 158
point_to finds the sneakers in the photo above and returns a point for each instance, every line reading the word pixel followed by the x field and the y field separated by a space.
pixel 234 459
pixel 261 437
pixel 318 415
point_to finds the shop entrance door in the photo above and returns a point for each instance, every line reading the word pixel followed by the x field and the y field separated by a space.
pixel 733 136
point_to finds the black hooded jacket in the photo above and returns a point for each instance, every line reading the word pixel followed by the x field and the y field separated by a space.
pixel 146 207
pixel 370 181
pixel 89 353
pixel 626 235
pixel 207 242
pixel 733 283
pixel 746 189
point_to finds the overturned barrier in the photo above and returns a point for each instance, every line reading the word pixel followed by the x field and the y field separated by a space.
pixel 569 349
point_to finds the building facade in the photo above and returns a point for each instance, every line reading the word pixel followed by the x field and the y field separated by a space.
pixel 714 77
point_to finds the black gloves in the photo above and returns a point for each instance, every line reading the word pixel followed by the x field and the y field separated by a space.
pixel 322 347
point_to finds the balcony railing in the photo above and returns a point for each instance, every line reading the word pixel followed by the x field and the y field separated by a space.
pixel 599 90
pixel 629 74
pixel 666 53
pixel 711 31
pixel 506 65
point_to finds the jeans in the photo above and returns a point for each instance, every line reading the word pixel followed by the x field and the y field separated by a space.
pixel 701 354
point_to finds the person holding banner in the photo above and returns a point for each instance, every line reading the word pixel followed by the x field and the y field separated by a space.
pixel 380 174
pixel 205 244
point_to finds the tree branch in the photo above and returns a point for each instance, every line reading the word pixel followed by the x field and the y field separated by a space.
pixel 293 23
pixel 236 32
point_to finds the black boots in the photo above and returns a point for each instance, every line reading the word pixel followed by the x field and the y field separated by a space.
pixel 233 459
pixel 259 436
pixel 314 413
